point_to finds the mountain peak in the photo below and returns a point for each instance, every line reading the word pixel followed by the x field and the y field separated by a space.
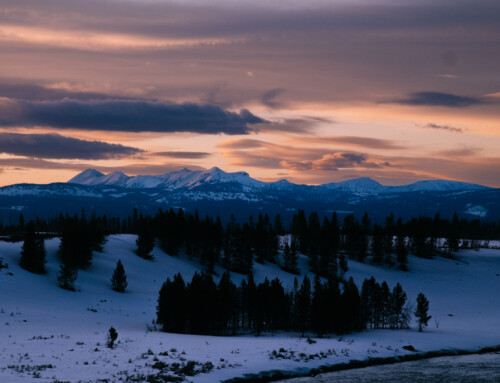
pixel 357 185
pixel 86 177
pixel 362 180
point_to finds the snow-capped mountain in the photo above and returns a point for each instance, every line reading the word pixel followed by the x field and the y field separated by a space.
pixel 363 185
pixel 366 185
pixel 216 192
pixel 170 181
pixel 191 179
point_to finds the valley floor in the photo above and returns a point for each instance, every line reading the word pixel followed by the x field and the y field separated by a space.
pixel 48 334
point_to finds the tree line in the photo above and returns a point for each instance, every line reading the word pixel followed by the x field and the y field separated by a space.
pixel 236 246
pixel 203 306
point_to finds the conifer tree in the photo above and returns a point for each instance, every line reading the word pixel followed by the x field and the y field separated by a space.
pixel 318 307
pixel 398 318
pixel 304 304
pixel 343 265
pixel 75 248
pixel 33 251
pixel 171 309
pixel 290 259
pixel 119 279
pixel 112 336
pixel 227 303
pixel 278 225
pixel 385 304
pixel 67 276
pixel 401 250
pixel 452 240
pixel 421 313
pixel 145 241
pixel 377 244
pixel 351 308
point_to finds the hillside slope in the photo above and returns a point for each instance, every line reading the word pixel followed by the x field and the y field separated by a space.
pixel 41 324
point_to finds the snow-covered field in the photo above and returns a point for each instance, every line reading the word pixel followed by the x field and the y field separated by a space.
pixel 48 334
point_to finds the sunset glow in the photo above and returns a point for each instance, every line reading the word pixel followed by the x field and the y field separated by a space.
pixel 313 92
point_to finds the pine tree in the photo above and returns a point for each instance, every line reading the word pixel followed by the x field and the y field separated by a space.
pixel 422 311
pixel 278 225
pixel 385 304
pixel 145 242
pixel 343 265
pixel 318 307
pixel 119 279
pixel 290 259
pixel 378 244
pixel 303 306
pixel 112 336
pixel 351 308
pixel 33 251
pixel 401 252
pixel 75 248
pixel 67 276
pixel 171 309
pixel 398 300
pixel 452 240
pixel 227 303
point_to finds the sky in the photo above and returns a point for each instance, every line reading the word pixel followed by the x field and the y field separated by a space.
pixel 312 91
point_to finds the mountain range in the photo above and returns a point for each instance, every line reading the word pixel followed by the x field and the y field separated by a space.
pixel 192 179
pixel 214 191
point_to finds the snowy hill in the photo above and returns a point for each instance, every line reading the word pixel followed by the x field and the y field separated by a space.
pixel 57 334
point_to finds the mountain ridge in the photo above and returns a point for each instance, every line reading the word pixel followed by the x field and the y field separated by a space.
pixel 215 192
pixel 190 179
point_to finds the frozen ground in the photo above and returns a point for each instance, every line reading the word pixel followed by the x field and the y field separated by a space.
pixel 49 334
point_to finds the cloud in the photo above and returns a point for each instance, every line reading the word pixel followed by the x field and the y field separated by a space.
pixel 365 142
pixel 248 159
pixel 132 169
pixel 444 127
pixel 269 98
pixel 131 116
pixel 439 99
pixel 258 153
pixel 55 146
pixel 304 124
pixel 243 143
pixel 333 162
pixel 466 151
pixel 37 92
pixel 193 155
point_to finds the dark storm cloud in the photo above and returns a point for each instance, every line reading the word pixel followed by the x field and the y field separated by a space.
pixel 130 116
pixel 444 127
pixel 36 92
pixel 192 155
pixel 55 146
pixel 439 99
